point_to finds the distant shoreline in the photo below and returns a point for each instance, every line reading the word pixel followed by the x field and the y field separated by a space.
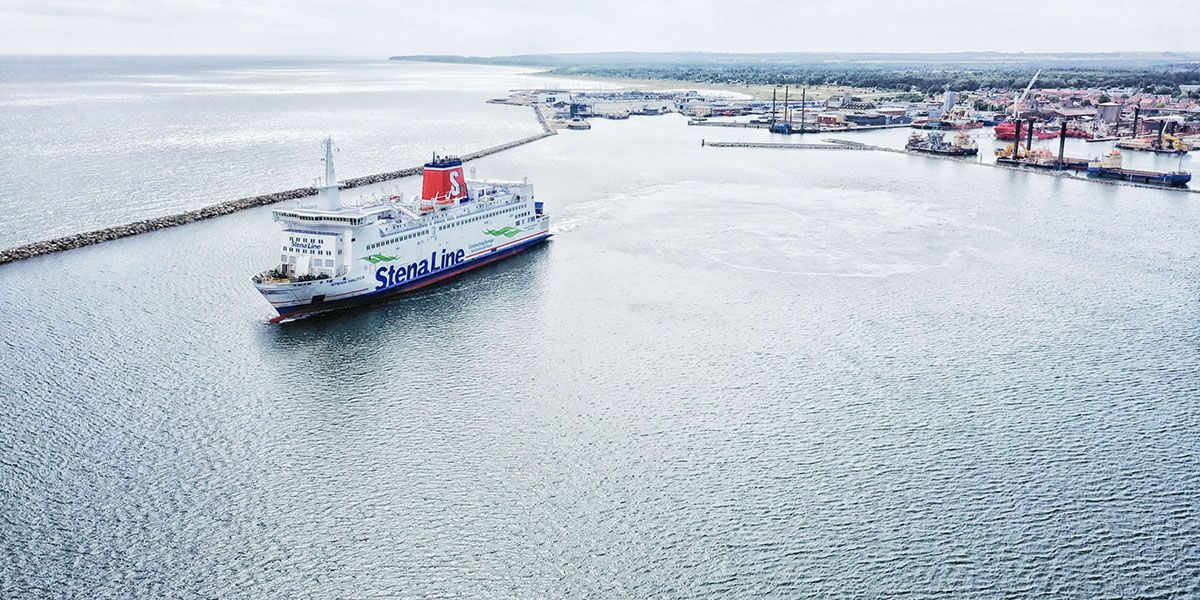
pixel 859 74
pixel 755 92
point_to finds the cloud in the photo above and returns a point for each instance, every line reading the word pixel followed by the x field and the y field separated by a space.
pixel 380 28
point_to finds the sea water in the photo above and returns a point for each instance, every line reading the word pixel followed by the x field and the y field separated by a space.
pixel 731 373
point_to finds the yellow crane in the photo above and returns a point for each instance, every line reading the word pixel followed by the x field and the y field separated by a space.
pixel 1014 150
pixel 1170 143
pixel 1176 143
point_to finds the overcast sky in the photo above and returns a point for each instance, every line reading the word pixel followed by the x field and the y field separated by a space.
pixel 494 27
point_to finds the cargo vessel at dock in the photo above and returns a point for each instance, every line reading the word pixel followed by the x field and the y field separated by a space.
pixel 1110 167
pixel 1022 155
pixel 333 256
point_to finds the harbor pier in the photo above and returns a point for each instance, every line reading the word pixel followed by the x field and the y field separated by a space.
pixel 835 144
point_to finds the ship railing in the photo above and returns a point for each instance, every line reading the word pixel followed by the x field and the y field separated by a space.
pixel 272 276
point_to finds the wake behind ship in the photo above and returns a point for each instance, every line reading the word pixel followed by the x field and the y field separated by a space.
pixel 332 256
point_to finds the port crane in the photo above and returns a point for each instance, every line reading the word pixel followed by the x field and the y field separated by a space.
pixel 1021 98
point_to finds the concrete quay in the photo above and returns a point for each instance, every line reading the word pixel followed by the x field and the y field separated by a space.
pixel 821 130
pixel 796 146
pixel 851 145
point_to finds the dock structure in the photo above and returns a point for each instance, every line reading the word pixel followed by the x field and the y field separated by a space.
pixel 107 234
pixel 1066 164
pixel 836 144
pixel 747 125
pixel 795 146
pixel 743 124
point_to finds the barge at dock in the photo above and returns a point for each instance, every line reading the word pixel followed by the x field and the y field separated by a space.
pixel 935 143
pixel 1163 143
pixel 1040 158
pixel 1044 159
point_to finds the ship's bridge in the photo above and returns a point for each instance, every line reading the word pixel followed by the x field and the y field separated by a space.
pixel 346 217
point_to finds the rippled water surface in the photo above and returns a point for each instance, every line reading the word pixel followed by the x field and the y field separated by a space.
pixel 92 142
pixel 732 373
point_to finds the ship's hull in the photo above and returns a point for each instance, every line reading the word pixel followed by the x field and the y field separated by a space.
pixel 1068 164
pixel 1148 177
pixel 321 305
pixel 948 125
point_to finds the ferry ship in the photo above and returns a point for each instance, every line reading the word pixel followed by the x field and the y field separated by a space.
pixel 333 256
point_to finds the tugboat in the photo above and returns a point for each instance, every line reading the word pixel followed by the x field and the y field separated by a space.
pixel 578 124
pixel 934 143
pixel 784 128
pixel 1109 167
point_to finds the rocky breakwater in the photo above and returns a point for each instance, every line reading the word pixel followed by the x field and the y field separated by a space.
pixel 88 238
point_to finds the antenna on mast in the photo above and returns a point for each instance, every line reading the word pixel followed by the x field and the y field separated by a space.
pixel 327 194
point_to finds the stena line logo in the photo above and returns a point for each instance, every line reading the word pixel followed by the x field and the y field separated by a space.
pixel 392 276
pixel 455 186
pixel 507 231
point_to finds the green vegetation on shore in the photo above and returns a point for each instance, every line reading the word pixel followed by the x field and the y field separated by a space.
pixel 1160 73
pixel 1157 80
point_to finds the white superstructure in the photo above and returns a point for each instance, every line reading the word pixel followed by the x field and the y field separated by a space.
pixel 331 255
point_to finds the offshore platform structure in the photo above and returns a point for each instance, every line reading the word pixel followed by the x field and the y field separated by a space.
pixel 786 126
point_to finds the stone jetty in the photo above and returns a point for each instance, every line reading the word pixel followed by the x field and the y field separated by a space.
pixel 88 238
pixel 794 146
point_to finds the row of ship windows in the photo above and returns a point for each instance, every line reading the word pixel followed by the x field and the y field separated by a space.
pixel 316 262
pixel 395 240
pixel 479 218
pixel 443 227
pixel 337 219
pixel 304 240
pixel 307 251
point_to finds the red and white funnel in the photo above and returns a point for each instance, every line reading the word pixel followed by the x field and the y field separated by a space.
pixel 444 182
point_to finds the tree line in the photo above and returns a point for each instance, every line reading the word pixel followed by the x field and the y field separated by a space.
pixel 1159 80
